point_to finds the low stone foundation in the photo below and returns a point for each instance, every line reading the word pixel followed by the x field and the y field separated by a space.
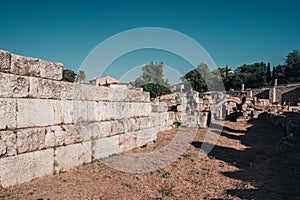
pixel 289 121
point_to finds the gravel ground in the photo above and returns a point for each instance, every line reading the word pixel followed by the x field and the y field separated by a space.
pixel 246 163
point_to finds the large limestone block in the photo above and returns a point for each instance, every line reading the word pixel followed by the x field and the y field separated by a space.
pixel 94 130
pixel 92 111
pixel 155 119
pixel 7 143
pixel 62 135
pixel 144 109
pixel 68 90
pixel 30 139
pixel 89 131
pixel 119 94
pixel 104 111
pixel 138 96
pixel 8 113
pixel 36 112
pixel 85 91
pixel 117 127
pixel 44 88
pixel 140 123
pixel 13 85
pixel 70 156
pixel 65 112
pixel 145 136
pixel 5 60
pixel 105 147
pixel 35 67
pixel 25 66
pixel 51 70
pixel 143 122
pixel 127 141
pixel 102 93
pixel 80 111
pixel 26 167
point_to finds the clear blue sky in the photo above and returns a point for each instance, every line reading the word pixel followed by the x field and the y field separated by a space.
pixel 232 32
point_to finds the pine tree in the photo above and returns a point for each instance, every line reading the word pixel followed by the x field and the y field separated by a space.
pixel 268 78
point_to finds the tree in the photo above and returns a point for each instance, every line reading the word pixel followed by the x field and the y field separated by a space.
pixel 196 78
pixel 226 71
pixel 280 74
pixel 268 78
pixel 292 62
pixel 80 76
pixel 152 73
pixel 69 75
pixel 156 89
pixel 254 74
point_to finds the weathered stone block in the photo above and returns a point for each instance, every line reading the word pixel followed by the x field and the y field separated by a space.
pixel 117 127
pixel 119 94
pixel 85 91
pixel 13 85
pixel 95 130
pixel 51 70
pixel 145 136
pixel 7 143
pixel 30 139
pixel 102 93
pixel 8 113
pixel 5 60
pixel 104 111
pixel 35 112
pixel 71 133
pixel 68 90
pixel 25 167
pixel 89 131
pixel 35 67
pixel 145 122
pixel 127 141
pixel 70 156
pixel 62 135
pixel 105 147
pixel 44 88
pixel 92 111
pixel 66 112
pixel 105 129
pixel 25 66
pixel 80 111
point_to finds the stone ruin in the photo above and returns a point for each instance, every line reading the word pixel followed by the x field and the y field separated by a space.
pixel 48 125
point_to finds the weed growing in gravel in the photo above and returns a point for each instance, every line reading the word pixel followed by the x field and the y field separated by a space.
pixel 187 156
pixel 164 173
pixel 175 164
pixel 166 190
pixel 126 185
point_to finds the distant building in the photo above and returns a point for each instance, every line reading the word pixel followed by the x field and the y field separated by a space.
pixel 111 82
pixel 104 81
pixel 178 87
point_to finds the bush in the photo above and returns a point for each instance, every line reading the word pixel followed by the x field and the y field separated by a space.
pixel 156 89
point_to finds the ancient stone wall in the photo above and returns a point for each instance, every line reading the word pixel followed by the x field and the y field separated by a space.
pixel 286 93
pixel 48 126
pixel 288 121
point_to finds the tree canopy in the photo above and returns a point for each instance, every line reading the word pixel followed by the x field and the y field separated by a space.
pixel 152 79
pixel 69 75
pixel 156 89
pixel 202 79
pixel 152 73
pixel 80 76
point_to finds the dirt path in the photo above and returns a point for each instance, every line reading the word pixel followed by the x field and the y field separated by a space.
pixel 246 163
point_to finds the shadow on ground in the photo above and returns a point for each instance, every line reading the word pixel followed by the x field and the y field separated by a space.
pixel 273 169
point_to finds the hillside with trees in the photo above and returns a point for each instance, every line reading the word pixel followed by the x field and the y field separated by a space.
pixel 254 75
